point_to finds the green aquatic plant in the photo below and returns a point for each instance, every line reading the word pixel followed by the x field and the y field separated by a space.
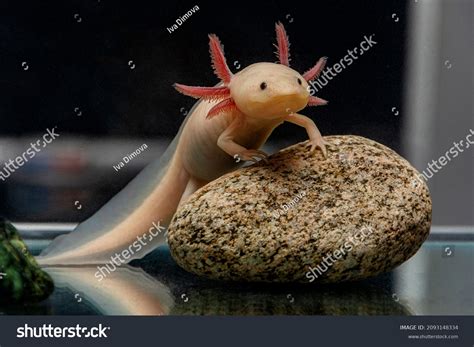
pixel 21 279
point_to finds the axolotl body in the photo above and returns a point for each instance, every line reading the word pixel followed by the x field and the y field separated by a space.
pixel 225 128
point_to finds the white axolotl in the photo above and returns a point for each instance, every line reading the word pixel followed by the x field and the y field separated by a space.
pixel 225 128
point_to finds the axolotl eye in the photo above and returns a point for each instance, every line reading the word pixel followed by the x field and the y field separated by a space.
pixel 299 81
pixel 263 86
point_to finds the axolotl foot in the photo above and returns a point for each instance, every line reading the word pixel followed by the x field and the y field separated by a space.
pixel 318 142
pixel 251 155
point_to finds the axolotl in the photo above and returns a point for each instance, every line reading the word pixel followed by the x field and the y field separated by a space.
pixel 225 128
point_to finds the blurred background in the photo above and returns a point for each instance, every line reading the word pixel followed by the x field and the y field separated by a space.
pixel 102 73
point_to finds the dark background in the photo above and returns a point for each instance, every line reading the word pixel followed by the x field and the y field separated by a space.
pixel 84 67
pixel 85 64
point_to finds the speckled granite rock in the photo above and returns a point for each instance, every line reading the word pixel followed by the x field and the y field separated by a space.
pixel 21 279
pixel 300 217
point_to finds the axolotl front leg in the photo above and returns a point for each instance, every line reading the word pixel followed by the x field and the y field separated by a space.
pixel 226 142
pixel 315 137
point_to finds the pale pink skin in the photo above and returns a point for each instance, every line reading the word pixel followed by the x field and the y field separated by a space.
pixel 211 147
pixel 228 126
pixel 252 103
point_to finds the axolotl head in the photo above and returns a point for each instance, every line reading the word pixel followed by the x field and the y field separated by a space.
pixel 269 90
pixel 261 90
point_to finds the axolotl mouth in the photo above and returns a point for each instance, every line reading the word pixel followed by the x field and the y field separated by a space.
pixel 277 108
pixel 288 104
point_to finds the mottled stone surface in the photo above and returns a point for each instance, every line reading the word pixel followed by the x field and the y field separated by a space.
pixel 274 221
pixel 21 279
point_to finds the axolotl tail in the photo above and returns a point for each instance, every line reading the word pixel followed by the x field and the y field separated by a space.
pixel 132 223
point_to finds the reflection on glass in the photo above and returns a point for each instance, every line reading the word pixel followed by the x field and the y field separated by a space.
pixel 200 296
pixel 126 291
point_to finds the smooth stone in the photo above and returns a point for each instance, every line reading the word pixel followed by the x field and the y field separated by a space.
pixel 21 278
pixel 278 221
